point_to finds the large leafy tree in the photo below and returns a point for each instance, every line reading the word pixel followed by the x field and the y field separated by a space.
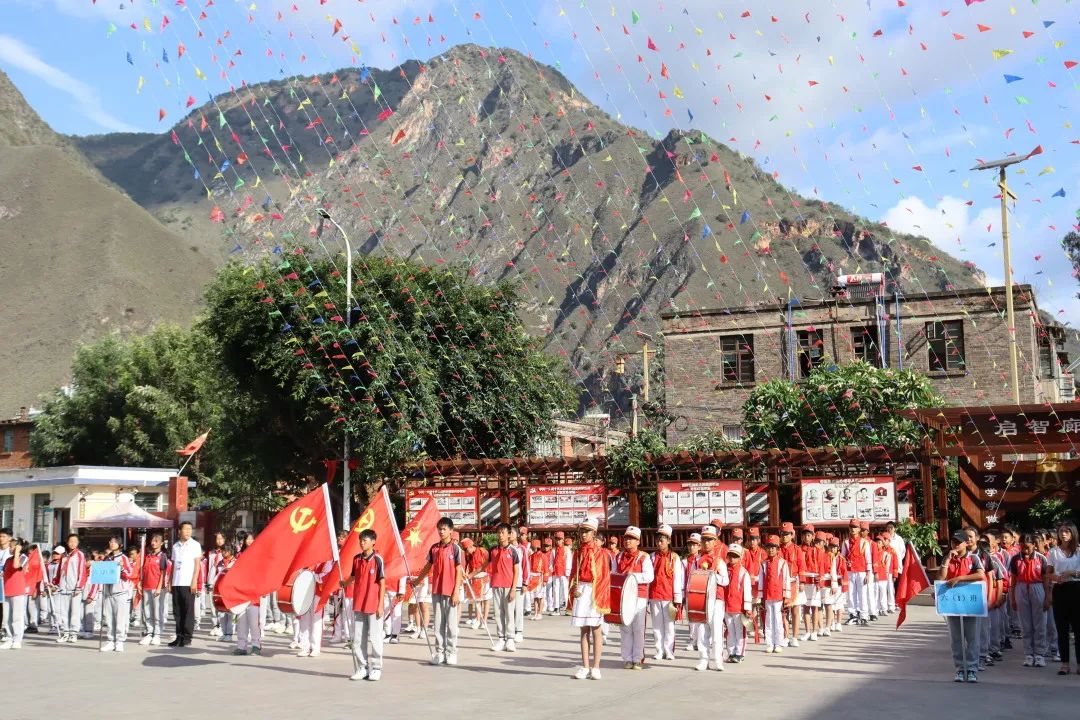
pixel 1071 244
pixel 430 364
pixel 836 405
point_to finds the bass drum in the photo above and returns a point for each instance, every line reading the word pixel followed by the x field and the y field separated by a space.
pixel 624 597
pixel 297 595
pixel 701 596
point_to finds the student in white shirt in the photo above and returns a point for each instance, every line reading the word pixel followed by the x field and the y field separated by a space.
pixel 186 558
pixel 1065 576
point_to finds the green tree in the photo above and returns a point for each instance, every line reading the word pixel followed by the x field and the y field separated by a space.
pixel 133 401
pixel 852 404
pixel 433 365
pixel 1071 244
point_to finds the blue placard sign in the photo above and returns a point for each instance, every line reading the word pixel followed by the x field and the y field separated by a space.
pixel 104 572
pixel 967 598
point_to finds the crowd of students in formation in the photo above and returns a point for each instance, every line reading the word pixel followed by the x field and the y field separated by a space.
pixel 1032 583
pixel 732 586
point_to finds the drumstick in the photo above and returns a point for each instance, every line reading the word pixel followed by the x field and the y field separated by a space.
pixel 491 641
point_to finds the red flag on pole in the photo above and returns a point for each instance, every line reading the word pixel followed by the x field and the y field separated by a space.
pixel 377 516
pixel 193 447
pixel 300 536
pixel 913 581
pixel 419 535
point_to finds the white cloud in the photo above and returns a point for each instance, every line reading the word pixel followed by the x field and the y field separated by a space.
pixel 15 54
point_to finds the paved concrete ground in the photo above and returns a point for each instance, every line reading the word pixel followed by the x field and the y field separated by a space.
pixel 862 673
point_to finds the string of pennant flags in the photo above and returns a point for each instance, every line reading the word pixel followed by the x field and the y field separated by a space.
pixel 738 67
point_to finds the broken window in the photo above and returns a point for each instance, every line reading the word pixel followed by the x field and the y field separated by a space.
pixel 945 345
pixel 811 351
pixel 865 346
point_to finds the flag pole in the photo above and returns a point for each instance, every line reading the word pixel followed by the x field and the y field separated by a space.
pixel 181 470
pixel 345 625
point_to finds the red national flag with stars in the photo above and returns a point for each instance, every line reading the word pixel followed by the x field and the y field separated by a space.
pixel 194 446
pixel 419 535
pixel 913 581
pixel 300 536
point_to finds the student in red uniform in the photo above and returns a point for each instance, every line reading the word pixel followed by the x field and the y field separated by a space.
pixel 962 565
pixel 16 593
pixel 368 599
pixel 590 591
pixel 665 594
pixel 878 575
pixel 549 567
pixel 1030 598
pixel 634 562
pixel 809 579
pixel 504 569
pixel 564 556
pixel 774 584
pixel 538 578
pixel 476 557
pixel 856 551
pixel 793 607
pixel 447 573
pixel 155 589
pixel 225 620
pixel 690 564
pixel 521 539
pixel 738 603
pixel 711 646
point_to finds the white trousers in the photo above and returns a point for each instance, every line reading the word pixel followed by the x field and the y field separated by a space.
pixel 311 630
pixel 154 611
pixel 774 622
pixel 890 593
pixel 881 594
pixel 736 633
pixel 519 611
pixel 562 588
pixel 69 611
pixel 632 636
pixel 858 600
pixel 663 627
pixel 368 640
pixel 712 644
pixel 116 614
pixel 15 617
pixel 392 615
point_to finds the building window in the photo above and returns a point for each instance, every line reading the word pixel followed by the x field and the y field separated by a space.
pixel 1046 358
pixel 43 518
pixel 737 359
pixel 733 432
pixel 945 345
pixel 7 511
pixel 811 351
pixel 9 440
pixel 865 346
pixel 147 501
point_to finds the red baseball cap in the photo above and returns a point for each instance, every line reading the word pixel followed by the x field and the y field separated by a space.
pixel 772 540
pixel 787 528
pixel 821 535
pixel 560 535
pixel 865 524
pixel 467 543
pixel 534 543
pixel 755 532
pixel 808 528
pixel 736 532
pixel 854 524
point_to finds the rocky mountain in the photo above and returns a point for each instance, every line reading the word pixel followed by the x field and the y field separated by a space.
pixel 78 258
pixel 483 157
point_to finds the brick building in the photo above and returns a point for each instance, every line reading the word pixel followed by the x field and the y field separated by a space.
pixel 714 358
pixel 15 440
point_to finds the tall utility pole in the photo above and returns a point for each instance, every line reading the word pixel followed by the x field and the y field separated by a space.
pixel 346 478
pixel 1006 196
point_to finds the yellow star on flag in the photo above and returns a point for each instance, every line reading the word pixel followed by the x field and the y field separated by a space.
pixel 414 537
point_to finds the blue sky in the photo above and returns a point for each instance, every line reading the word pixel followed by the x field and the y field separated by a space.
pixel 879 106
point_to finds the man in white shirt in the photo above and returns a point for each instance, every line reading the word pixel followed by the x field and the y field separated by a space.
pixel 186 558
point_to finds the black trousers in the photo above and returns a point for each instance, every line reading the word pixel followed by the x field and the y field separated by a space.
pixel 1067 615
pixel 184 612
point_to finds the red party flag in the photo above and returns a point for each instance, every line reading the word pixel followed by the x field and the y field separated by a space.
pixel 913 581
pixel 419 535
pixel 300 536
pixel 377 516
pixel 194 446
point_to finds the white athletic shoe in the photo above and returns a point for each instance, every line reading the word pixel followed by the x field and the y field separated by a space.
pixel 422 635
pixel 294 645
pixel 658 655
pixel 511 646
pixel 16 646
pixel 499 646
pixel 451 659
pixel 107 647
pixel 314 653
pixel 62 638
pixel 146 640
pixel 156 640
pixel 374 675
pixel 436 659
pixel 1040 661
pixel 119 647
pixel 813 636
pixel 303 653
pixel 804 638
pixel 518 637
pixel 361 674
pixel 690 646
pixel 719 666
pixel 582 673
pixel 669 656
pixel 794 642
pixel 702 665
pixel 825 633
pixel 594 674
pixel 475 624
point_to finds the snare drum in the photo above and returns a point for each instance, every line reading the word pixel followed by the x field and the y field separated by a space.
pixel 624 598
pixel 479 587
pixel 700 596
pixel 534 582
pixel 219 603
pixel 298 594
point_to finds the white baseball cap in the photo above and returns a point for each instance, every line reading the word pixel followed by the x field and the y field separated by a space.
pixel 588 524
pixel 632 531
pixel 664 530
pixel 708 531
pixel 59 550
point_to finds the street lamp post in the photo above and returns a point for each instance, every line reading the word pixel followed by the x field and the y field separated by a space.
pixel 1006 195
pixel 346 479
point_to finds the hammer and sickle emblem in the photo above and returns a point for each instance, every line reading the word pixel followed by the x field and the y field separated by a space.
pixel 302 519
pixel 364 521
